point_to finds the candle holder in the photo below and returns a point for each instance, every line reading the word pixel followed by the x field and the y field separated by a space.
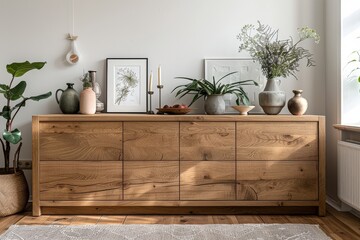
pixel 150 111
pixel 160 87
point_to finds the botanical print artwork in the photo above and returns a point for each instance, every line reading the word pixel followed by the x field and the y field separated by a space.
pixel 127 89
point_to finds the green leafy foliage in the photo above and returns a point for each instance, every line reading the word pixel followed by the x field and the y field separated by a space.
pixel 19 69
pixel 14 101
pixel 202 88
pixel 13 137
pixel 278 58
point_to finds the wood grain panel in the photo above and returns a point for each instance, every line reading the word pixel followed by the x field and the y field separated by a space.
pixel 151 141
pixel 151 180
pixel 207 141
pixel 213 180
pixel 80 180
pixel 277 180
pixel 80 141
pixel 277 141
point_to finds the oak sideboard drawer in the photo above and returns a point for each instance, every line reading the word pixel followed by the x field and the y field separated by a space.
pixel 74 141
pixel 207 141
pixel 207 180
pixel 151 141
pixel 151 180
pixel 277 180
pixel 80 180
pixel 277 141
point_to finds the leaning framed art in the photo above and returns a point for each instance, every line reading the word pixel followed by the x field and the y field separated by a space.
pixel 246 68
pixel 126 85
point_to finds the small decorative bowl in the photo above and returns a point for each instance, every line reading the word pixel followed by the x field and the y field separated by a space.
pixel 174 111
pixel 243 109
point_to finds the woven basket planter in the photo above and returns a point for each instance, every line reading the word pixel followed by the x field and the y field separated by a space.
pixel 14 193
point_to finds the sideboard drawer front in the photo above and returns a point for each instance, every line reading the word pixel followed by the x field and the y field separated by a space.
pixel 151 180
pixel 151 141
pixel 277 141
pixel 207 141
pixel 277 180
pixel 74 141
pixel 80 181
pixel 207 180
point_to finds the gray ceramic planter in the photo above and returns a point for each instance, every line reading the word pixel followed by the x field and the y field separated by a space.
pixel 272 99
pixel 215 104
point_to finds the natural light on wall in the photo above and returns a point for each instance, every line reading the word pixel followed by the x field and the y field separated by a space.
pixel 350 42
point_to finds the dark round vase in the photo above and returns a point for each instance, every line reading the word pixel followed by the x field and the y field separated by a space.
pixel 69 100
pixel 297 105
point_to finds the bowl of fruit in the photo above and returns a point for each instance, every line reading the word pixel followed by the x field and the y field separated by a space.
pixel 175 109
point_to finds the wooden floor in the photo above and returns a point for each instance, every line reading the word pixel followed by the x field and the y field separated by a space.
pixel 337 225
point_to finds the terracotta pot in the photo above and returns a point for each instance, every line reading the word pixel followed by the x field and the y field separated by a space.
pixel 14 193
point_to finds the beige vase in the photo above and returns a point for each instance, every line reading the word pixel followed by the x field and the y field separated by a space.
pixel 14 193
pixel 87 101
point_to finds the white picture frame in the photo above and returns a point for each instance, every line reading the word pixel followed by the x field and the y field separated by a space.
pixel 126 85
pixel 247 69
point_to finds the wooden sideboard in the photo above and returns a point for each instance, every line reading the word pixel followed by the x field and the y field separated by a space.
pixel 117 163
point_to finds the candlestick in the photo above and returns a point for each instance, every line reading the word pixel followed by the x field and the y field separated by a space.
pixel 160 87
pixel 159 75
pixel 150 111
pixel 151 81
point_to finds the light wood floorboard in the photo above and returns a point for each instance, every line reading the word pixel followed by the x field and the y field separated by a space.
pixel 337 225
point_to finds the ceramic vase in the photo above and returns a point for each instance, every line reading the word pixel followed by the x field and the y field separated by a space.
pixel 96 88
pixel 272 99
pixel 297 105
pixel 69 100
pixel 214 104
pixel 87 101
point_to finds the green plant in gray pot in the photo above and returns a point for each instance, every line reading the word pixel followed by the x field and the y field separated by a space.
pixel 278 58
pixel 14 200
pixel 213 92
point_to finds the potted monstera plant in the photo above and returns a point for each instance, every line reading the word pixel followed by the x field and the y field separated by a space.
pixel 213 92
pixel 14 191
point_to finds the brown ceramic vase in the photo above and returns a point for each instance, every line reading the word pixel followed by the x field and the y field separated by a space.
pixel 297 105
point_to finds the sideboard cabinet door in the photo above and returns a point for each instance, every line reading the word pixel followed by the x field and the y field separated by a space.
pixel 151 180
pixel 207 141
pixel 80 180
pixel 277 141
pixel 80 141
pixel 151 141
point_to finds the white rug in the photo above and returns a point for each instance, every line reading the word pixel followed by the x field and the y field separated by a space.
pixel 166 232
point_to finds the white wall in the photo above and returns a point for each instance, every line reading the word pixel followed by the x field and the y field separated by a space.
pixel 177 34
pixel 333 91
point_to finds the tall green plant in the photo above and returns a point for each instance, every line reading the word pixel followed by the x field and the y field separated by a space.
pixel 203 88
pixel 15 100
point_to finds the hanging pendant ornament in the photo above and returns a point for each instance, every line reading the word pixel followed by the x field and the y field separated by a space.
pixel 72 56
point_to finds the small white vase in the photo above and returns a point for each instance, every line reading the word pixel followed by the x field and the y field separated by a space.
pixel 87 101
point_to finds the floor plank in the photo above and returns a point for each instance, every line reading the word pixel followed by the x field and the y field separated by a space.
pixel 225 219
pixel 6 222
pixel 337 225
pixel 249 219
pixel 110 219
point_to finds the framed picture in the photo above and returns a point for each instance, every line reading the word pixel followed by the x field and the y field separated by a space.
pixel 126 85
pixel 247 70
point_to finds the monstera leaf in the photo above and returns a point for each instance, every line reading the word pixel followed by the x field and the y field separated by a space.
pixel 13 137
pixel 19 69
